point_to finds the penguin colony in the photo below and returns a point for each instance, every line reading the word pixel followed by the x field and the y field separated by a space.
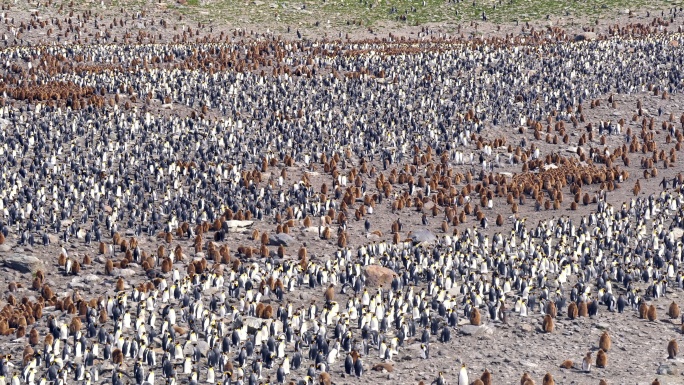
pixel 178 178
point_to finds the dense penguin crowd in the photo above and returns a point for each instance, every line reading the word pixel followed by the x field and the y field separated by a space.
pixel 260 210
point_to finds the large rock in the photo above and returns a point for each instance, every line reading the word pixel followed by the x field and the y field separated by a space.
pixel 472 330
pixel 280 239
pixel 77 283
pixel 85 282
pixel 123 272
pixel 423 236
pixel 23 263
pixel 665 369
pixel 203 347
pixel 254 324
pixel 378 276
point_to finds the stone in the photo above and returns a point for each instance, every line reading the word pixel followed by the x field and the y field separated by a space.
pixel 92 278
pixel 664 369
pixel 678 233
pixel 378 276
pixel 77 283
pixel 472 330
pixel 23 263
pixel 423 236
pixel 254 324
pixel 280 239
pixel 123 272
pixel 527 327
pixel 203 347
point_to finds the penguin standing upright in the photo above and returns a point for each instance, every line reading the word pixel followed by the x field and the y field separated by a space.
pixel 358 367
pixel 463 376
pixel 349 364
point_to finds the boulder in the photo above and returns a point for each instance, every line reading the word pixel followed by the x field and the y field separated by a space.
pixel 423 236
pixel 92 278
pixel 280 239
pixel 378 276
pixel 77 283
pixel 472 330
pixel 203 347
pixel 665 369
pixel 123 272
pixel 23 263
pixel 254 324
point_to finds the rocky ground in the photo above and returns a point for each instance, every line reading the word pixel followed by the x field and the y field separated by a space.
pixel 639 350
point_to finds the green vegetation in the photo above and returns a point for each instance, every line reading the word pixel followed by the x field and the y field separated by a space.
pixel 339 14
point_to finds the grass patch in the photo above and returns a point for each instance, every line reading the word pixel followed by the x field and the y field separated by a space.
pixel 318 15
pixel 411 12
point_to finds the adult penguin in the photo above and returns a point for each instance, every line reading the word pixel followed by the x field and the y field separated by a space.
pixel 445 335
pixel 296 360
pixel 621 303
pixel 358 367
pixel 463 376
pixel 349 364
